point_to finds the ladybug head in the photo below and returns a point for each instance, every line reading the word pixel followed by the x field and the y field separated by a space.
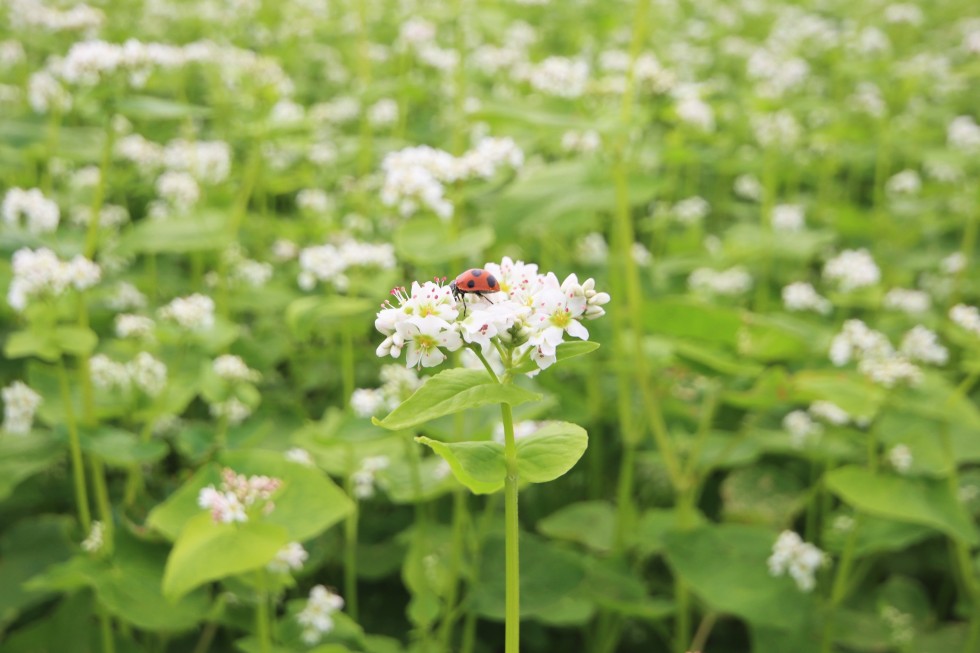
pixel 454 290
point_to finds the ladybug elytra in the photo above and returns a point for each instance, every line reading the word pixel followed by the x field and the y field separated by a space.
pixel 476 282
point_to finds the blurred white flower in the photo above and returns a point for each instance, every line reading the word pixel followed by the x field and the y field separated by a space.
pixel 801 296
pixel 801 559
pixel 316 618
pixel 852 269
pixel 20 403
pixel 900 458
pixel 39 213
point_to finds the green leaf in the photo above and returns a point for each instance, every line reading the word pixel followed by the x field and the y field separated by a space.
pixel 308 315
pixel 849 390
pixel 208 231
pixel 450 392
pixel 550 577
pixel 22 457
pixel 29 342
pixel 147 107
pixel 550 451
pixel 591 523
pixel 564 351
pixel 27 547
pixel 121 448
pixel 477 465
pixel 428 241
pixel 725 564
pixel 915 500
pixel 683 318
pixel 75 340
pixel 206 551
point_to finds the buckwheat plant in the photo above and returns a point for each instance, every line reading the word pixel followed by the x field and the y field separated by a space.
pixel 534 321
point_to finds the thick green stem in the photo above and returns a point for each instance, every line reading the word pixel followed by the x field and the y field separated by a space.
pixel 263 623
pixel 841 582
pixel 512 610
pixel 75 450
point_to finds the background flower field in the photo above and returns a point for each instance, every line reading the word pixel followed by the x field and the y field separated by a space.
pixel 224 431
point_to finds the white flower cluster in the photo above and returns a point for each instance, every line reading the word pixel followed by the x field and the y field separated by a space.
pixel 125 296
pixel 900 458
pixel 383 113
pixel 966 317
pixel 531 313
pixel 779 129
pixel 300 456
pixel 558 76
pixel 397 383
pixel 87 62
pixel 801 296
pixel 801 559
pixel 733 281
pixel 208 162
pixel 33 14
pixel 801 427
pixel 111 216
pixel 922 345
pixel 96 538
pixel 829 412
pixel 586 142
pixel 19 405
pixel 415 177
pixel 906 182
pixel 316 618
pixel 232 368
pixel 129 325
pixel 788 218
pixel 692 109
pixel 233 409
pixel 363 477
pixel 237 494
pixel 852 269
pixel 592 249
pixel 40 214
pixel 963 133
pixel 328 263
pixel 291 557
pixel 907 301
pixel 179 190
pixel 41 273
pixel 143 371
pixel 690 210
pixel 876 357
pixel 195 312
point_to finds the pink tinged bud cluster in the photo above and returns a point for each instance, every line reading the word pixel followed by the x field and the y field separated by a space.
pixel 236 495
pixel 800 559
pixel 531 313
pixel 317 617
pixel 41 273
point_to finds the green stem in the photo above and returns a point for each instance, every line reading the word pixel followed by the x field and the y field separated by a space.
pixel 512 610
pixel 350 555
pixel 263 627
pixel 347 362
pixel 839 590
pixel 75 449
pixel 105 629
pixel 98 197
pixel 460 515
pixel 102 503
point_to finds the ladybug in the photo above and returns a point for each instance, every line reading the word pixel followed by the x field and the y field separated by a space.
pixel 477 282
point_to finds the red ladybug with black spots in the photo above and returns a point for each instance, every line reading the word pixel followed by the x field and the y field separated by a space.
pixel 474 282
